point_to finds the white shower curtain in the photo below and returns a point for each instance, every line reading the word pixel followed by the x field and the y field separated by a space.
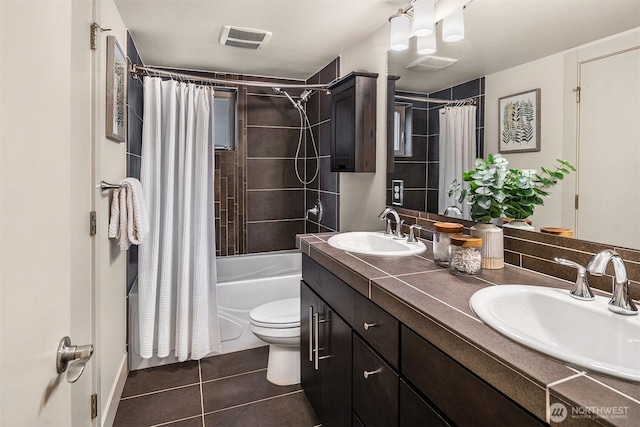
pixel 177 270
pixel 457 146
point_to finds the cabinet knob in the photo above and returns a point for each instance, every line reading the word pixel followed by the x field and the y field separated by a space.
pixel 366 374
pixel 369 325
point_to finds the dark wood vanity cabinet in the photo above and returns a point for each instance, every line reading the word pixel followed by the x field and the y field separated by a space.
pixel 353 123
pixel 374 371
pixel 325 349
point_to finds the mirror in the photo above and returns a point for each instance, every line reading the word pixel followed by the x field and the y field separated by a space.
pixel 512 47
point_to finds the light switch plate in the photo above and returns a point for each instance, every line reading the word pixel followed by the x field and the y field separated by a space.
pixel 397 192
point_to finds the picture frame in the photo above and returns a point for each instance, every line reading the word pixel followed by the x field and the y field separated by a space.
pixel 116 114
pixel 519 116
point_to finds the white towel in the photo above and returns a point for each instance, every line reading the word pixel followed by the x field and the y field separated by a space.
pixel 129 221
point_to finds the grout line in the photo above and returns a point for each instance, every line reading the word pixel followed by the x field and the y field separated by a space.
pixel 235 375
pixel 254 401
pixel 547 390
pixel 441 301
pixel 175 421
pixel 159 391
pixel 201 394
pixel 613 389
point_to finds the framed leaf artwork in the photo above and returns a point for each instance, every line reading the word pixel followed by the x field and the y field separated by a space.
pixel 520 122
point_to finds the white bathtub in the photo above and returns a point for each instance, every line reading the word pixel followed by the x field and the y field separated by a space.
pixel 244 282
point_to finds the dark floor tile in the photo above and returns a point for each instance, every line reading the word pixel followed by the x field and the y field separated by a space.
pixel 234 363
pixel 161 377
pixel 241 389
pixel 290 410
pixel 159 407
pixel 189 422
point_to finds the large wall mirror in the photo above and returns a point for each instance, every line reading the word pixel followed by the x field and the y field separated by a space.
pixel 586 51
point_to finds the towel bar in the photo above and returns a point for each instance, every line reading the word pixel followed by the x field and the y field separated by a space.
pixel 106 186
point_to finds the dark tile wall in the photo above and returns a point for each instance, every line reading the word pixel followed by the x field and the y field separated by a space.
pixel 326 186
pixel 134 144
pixel 420 172
pixel 259 203
pixel 535 251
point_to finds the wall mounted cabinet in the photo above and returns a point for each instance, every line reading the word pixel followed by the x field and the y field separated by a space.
pixel 353 123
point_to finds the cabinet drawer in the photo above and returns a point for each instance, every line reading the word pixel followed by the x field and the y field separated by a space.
pixel 375 387
pixel 378 328
pixel 460 395
pixel 332 290
pixel 415 411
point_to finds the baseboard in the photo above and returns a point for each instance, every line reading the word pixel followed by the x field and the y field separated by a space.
pixel 109 415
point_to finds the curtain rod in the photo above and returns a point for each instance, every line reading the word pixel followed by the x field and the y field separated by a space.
pixel 436 100
pixel 135 70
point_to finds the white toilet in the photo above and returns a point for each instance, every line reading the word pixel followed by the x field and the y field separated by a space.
pixel 278 324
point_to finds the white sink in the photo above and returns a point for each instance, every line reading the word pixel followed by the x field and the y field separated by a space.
pixel 375 243
pixel 549 320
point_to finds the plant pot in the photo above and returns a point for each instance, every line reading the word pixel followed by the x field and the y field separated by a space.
pixel 520 224
pixel 492 245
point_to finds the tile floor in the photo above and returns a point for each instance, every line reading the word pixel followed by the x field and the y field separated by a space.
pixel 226 390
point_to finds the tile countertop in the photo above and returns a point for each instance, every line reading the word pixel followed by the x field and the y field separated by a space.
pixel 435 304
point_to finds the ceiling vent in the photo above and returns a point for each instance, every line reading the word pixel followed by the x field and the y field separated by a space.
pixel 430 63
pixel 247 38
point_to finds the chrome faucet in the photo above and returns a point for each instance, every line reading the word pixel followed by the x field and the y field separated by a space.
pixel 620 302
pixel 383 217
pixel 581 289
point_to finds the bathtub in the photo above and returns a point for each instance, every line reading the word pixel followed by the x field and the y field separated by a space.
pixel 244 282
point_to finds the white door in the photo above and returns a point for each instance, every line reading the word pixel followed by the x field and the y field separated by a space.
pixel 45 199
pixel 609 148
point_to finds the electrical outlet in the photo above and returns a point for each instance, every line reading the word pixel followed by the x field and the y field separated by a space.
pixel 397 190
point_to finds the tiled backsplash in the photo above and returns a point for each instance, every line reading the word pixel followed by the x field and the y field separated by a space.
pixel 420 171
pixel 535 251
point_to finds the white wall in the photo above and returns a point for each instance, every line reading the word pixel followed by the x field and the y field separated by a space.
pixel 363 195
pixel 556 76
pixel 110 160
pixel 547 74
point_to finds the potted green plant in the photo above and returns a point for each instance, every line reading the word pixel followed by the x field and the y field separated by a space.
pixel 485 194
pixel 525 189
pixel 494 191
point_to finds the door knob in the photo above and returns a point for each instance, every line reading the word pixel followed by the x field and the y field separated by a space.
pixel 73 357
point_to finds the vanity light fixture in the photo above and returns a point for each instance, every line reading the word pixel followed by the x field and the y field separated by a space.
pixel 399 31
pixel 421 17
pixel 453 26
pixel 426 45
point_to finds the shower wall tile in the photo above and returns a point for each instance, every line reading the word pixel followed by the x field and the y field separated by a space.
pixel 273 236
pixel 272 174
pixel 275 204
pixel 326 186
pixel 134 144
pixel 271 110
pixel 272 142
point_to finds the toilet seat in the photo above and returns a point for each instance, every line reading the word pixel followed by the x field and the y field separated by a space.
pixel 281 314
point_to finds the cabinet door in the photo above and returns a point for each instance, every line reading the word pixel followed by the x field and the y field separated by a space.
pixel 375 387
pixel 325 359
pixel 415 411
pixel 335 369
pixel 309 377
pixel 343 117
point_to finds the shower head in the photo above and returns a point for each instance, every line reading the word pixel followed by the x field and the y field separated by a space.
pixel 277 90
pixel 304 96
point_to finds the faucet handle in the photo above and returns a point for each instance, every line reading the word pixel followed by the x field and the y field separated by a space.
pixel 412 233
pixel 581 289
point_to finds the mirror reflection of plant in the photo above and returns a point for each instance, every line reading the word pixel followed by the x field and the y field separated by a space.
pixel 485 193
pixel 497 192
pixel 525 188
